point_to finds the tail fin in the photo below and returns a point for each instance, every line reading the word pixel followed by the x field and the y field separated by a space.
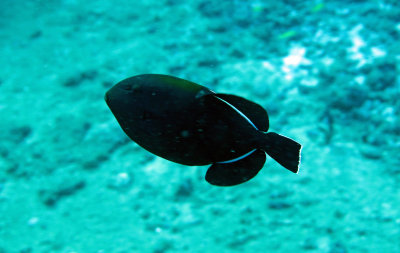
pixel 284 150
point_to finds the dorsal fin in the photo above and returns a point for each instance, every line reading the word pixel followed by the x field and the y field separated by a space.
pixel 253 111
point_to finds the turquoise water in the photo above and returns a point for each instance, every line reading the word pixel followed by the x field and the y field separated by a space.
pixel 327 72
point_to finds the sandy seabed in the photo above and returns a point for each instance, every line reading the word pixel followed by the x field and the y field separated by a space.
pixel 326 72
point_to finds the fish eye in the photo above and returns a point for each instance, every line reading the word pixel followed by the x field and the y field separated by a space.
pixel 130 87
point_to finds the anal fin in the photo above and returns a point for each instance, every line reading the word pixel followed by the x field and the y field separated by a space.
pixel 234 173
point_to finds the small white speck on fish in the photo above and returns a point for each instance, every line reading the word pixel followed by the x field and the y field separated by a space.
pixel 185 133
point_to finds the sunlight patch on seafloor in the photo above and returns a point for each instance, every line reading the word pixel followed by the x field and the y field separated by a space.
pixel 358 43
pixel 357 51
pixel 291 62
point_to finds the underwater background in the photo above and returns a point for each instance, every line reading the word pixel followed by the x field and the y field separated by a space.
pixel 327 72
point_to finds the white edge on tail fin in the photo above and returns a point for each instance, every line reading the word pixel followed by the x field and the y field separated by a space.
pixel 298 165
pixel 301 146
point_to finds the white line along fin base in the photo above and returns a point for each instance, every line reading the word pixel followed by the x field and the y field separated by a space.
pixel 251 110
pixel 228 174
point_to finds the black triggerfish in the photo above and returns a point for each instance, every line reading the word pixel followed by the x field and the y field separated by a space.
pixel 190 124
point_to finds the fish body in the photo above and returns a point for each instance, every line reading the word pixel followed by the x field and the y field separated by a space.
pixel 187 123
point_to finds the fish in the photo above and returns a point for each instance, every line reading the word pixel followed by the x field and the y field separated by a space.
pixel 187 123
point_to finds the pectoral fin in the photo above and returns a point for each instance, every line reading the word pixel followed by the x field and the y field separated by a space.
pixel 229 174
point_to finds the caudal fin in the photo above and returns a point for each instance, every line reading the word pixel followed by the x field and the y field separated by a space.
pixel 284 150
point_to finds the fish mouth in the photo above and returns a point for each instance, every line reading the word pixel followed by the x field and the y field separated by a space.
pixel 114 93
pixel 111 98
pixel 107 98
